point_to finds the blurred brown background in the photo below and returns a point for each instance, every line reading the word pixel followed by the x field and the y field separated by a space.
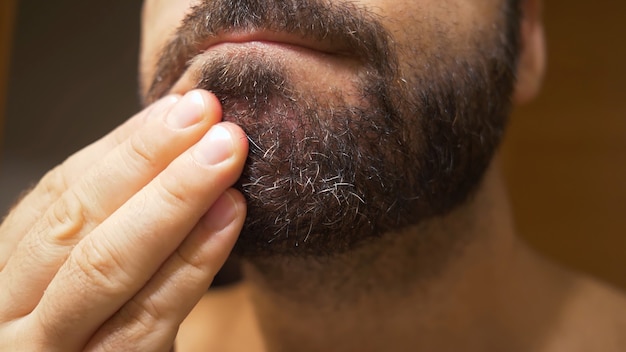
pixel 565 154
pixel 73 77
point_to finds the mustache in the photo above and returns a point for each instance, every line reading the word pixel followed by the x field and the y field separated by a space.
pixel 354 29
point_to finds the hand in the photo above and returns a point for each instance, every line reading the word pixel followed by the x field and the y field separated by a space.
pixel 114 247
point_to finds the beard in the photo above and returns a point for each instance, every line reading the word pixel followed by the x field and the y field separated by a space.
pixel 332 169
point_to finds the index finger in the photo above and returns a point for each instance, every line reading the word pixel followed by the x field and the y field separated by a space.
pixel 55 182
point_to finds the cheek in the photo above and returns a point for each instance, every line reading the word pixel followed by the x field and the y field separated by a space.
pixel 427 30
pixel 160 18
pixel 413 20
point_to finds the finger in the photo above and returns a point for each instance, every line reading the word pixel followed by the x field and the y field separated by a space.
pixel 111 182
pixel 114 262
pixel 57 181
pixel 150 320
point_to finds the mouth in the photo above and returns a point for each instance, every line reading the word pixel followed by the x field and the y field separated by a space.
pixel 313 42
pixel 275 38
pixel 308 58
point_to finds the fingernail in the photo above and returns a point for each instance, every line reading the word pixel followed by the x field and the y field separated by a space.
pixel 187 111
pixel 215 147
pixel 222 213
pixel 161 105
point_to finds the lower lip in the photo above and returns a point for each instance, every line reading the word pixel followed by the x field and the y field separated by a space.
pixel 290 54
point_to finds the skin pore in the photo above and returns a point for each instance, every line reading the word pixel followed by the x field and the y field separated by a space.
pixel 454 277
pixel 322 175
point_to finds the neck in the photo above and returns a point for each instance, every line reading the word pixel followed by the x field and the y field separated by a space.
pixel 444 285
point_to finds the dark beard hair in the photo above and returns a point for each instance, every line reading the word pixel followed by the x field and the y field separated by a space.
pixel 324 175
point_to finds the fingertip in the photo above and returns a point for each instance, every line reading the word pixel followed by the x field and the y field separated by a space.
pixel 239 201
pixel 229 208
pixel 224 142
pixel 213 105
pixel 239 135
pixel 160 106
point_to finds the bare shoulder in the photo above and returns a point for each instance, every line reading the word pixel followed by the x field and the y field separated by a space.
pixel 592 319
pixel 223 320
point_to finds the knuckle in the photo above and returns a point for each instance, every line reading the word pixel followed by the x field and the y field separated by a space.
pixel 98 268
pixel 54 182
pixel 65 219
pixel 174 193
pixel 193 262
pixel 139 323
pixel 144 315
pixel 139 154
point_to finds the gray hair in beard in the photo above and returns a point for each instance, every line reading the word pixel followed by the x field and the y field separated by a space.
pixel 323 175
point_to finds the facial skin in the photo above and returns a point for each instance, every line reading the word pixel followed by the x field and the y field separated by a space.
pixel 364 117
pixel 396 108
